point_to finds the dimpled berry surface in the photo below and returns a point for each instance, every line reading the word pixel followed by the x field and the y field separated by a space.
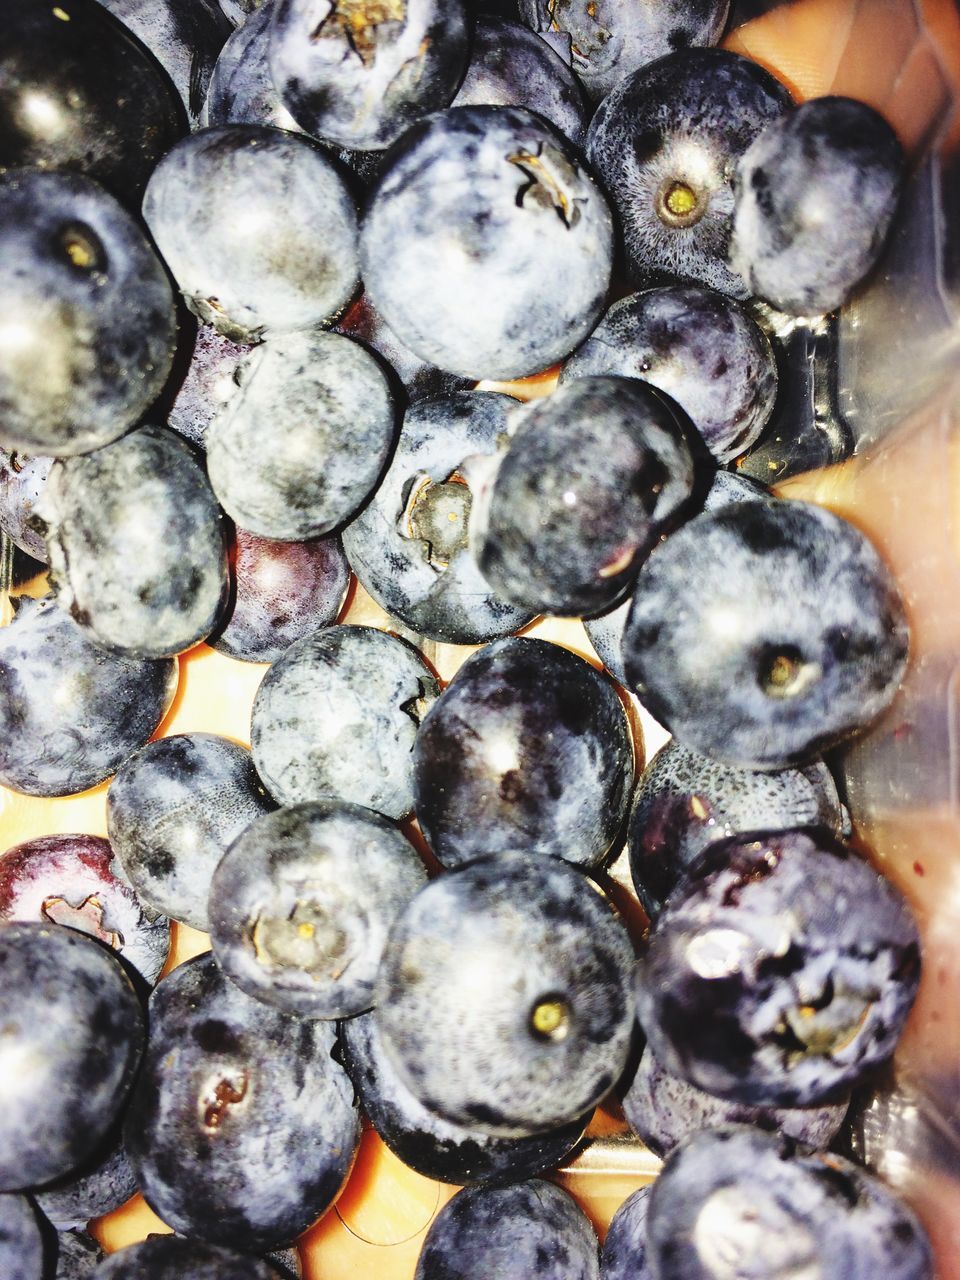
pixel 504 995
pixel 764 632
pixel 624 1255
pixel 336 717
pixel 408 546
pixel 527 748
pixel 533 1229
pixel 527 237
pixel 779 972
pixel 174 1258
pixel 242 1127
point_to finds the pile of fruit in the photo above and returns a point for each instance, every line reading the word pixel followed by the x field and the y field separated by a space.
pixel 371 206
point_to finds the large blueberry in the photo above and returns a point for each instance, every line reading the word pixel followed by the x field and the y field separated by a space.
pixel 779 972
pixel 242 1128
pixel 527 238
pixel 175 1258
pixel 22 480
pixel 408 546
pixel 763 632
pixel 624 1255
pixel 504 995
pixel 22 1251
pixel 527 748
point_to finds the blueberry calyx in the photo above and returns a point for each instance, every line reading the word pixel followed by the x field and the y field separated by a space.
pixel 437 513
pixel 679 204
pixel 356 21
pixel 307 938
pixel 548 173
pixel 87 916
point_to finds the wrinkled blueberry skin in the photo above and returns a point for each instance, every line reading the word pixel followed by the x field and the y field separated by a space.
pixel 532 1229
pixel 624 1254
pixel 542 935
pixel 404 548
pixel 527 748
pixel 242 1128
pixel 335 872
pixel 137 544
pixel 172 811
pixel 684 801
pixel 687 118
pixel 77 1255
pixel 70 712
pixel 241 88
pixel 510 66
pixel 431 1145
pixel 591 478
pixel 267 271
pixel 362 84
pixel 764 632
pixel 336 718
pixel 281 591
pixel 95 1188
pixel 95 318
pixel 610 39
pixel 22 1252
pixel 68 1009
pixel 311 398
pixel 701 348
pixel 174 1258
pixel 114 110
pixel 209 382
pixel 740 1201
pixel 22 478
pixel 779 972
pixel 815 195
pixel 73 881
pixel 418 377
pixel 664 1110
pixel 528 238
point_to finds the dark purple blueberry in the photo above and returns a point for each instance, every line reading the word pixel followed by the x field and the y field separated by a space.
pixel 137 544
pixel 172 811
pixel 779 972
pixel 665 142
pixel 208 384
pixel 242 1127
pixel 23 1255
pixel 408 546
pixel 77 1255
pixel 304 438
pixel 532 1229
pixel 685 801
pixel 71 1036
pixel 527 239
pixel 301 903
pixel 740 1202
pixel 235 212
pixel 72 880
pixel 174 1258
pixel 432 1146
pixel 79 92
pixel 700 347
pixel 336 717
pixel 510 66
pixel 504 995
pixel 664 1110
pixel 764 632
pixel 591 478
pixel 624 1255
pixel 241 88
pixel 101 1184
pixel 88 320
pixel 281 592
pixel 359 74
pixel 22 479
pixel 70 712
pixel 815 196
pixel 528 748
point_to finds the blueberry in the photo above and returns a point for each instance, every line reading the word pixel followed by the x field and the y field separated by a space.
pixel 242 1127
pixel 71 1035
pixel 359 74
pixel 72 880
pixel 104 1182
pixel 77 1255
pixel 173 809
pixel 241 88
pixel 22 1252
pixel 88 324
pixel 22 480
pixel 174 1258
pixel 527 748
pixel 779 972
pixel 431 1145
pixel 235 212
pixel 684 801
pixel 70 712
pixel 336 718
pixel 592 477
pixel 703 349
pixel 763 632
pixel 208 383
pixel 408 546
pixel 527 237
pixel 504 995
pixel 664 142
pixel 137 545
pixel 624 1255
pixel 301 903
